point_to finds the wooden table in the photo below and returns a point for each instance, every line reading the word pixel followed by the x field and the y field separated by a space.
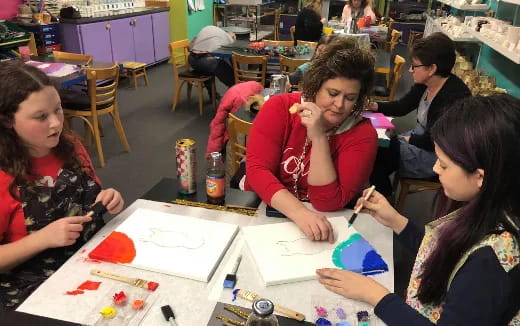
pixel 193 301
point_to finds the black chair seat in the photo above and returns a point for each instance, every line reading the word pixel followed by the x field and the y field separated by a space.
pixel 381 91
pixel 192 74
pixel 77 100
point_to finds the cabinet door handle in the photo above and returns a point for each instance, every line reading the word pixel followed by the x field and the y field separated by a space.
pixel 107 27
pixel 133 22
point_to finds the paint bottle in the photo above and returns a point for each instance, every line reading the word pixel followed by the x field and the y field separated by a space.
pixel 363 318
pixel 186 166
pixel 216 179
pixel 262 314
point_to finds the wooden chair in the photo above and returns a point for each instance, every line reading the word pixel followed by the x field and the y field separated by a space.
pixel 276 23
pixel 289 65
pixel 242 75
pixel 411 186
pixel 102 99
pixel 292 29
pixel 87 58
pixel 182 74
pixel 393 40
pixel 278 43
pixel 413 36
pixel 236 126
pixel 310 44
pixel 136 69
pixel 387 92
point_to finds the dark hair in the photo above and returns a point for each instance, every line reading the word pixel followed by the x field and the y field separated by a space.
pixel 364 3
pixel 341 58
pixel 17 82
pixel 476 133
pixel 436 49
pixel 326 39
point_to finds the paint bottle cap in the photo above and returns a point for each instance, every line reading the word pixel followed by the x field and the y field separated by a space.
pixel 263 307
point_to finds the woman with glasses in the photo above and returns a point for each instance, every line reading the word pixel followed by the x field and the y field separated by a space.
pixel 435 87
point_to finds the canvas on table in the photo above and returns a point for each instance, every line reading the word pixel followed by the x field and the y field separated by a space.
pixel 168 243
pixel 283 254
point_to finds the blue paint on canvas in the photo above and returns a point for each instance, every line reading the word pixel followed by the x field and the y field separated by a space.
pixel 357 255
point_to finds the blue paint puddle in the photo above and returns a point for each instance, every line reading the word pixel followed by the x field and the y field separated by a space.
pixel 357 255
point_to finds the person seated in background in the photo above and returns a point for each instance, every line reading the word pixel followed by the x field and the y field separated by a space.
pixel 47 184
pixel 235 98
pixel 323 152
pixel 356 9
pixel 200 59
pixel 467 269
pixel 309 25
pixel 435 88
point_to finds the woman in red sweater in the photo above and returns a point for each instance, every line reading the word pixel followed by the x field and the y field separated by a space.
pixel 47 184
pixel 324 152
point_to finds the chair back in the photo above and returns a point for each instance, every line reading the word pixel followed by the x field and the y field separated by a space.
pixel 289 65
pixel 393 81
pixel 179 51
pixel 276 27
pixel 393 40
pixel 87 58
pixel 242 75
pixel 102 87
pixel 236 126
pixel 278 43
pixel 310 44
pixel 292 29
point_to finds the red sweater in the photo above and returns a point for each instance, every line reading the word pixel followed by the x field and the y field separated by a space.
pixel 275 145
pixel 12 220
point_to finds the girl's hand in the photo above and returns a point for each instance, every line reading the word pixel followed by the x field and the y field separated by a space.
pixel 382 211
pixel 62 232
pixel 310 115
pixel 315 226
pixel 352 285
pixel 111 199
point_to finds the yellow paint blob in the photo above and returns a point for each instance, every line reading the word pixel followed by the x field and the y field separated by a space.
pixel 108 312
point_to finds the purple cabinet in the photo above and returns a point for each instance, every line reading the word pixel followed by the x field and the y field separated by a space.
pixel 161 35
pixel 143 39
pixel 121 35
pixel 95 40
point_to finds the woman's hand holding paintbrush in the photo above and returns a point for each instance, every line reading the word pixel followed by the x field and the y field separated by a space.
pixel 378 206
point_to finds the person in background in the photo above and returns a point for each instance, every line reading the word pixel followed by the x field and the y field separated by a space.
pixel 47 184
pixel 356 9
pixel 467 269
pixel 435 88
pixel 309 25
pixel 200 59
pixel 323 152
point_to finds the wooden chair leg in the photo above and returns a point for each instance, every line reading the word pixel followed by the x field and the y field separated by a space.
pixel 178 87
pixel 190 85
pixel 405 187
pixel 214 94
pixel 146 81
pixel 200 87
pixel 97 139
pixel 135 78
pixel 119 129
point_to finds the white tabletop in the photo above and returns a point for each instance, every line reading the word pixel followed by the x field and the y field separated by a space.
pixel 193 301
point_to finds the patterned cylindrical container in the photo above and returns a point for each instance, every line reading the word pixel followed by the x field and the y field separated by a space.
pixel 186 166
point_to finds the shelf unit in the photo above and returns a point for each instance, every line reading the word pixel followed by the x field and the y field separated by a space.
pixel 477 7
pixel 469 38
pixel 513 56
pixel 30 42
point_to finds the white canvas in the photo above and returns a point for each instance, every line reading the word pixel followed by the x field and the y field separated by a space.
pixel 283 254
pixel 177 245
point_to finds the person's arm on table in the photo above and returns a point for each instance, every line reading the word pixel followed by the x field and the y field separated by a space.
pixel 404 105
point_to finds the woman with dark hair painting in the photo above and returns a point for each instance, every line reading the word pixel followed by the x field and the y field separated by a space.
pixel 309 25
pixel 467 268
pixel 47 184
pixel 323 151
pixel 435 88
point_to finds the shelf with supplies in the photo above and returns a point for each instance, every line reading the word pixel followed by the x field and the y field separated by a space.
pixel 495 45
pixel 438 26
pixel 12 37
pixel 467 7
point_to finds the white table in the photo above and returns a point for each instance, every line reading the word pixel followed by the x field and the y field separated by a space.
pixel 193 301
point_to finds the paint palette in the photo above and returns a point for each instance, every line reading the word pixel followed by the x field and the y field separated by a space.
pixel 357 255
pixel 193 247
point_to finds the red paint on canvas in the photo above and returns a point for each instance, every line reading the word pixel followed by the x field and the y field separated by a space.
pixel 116 248
pixel 75 292
pixel 89 285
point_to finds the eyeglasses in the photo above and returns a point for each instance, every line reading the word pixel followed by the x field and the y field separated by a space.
pixel 412 66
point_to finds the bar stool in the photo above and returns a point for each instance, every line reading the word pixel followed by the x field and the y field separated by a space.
pixel 136 69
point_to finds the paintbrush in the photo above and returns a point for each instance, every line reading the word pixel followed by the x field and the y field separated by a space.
pixel 231 279
pixel 137 282
pixel 97 209
pixel 250 296
pixel 360 207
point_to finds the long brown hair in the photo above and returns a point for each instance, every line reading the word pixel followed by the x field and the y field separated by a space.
pixel 17 82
